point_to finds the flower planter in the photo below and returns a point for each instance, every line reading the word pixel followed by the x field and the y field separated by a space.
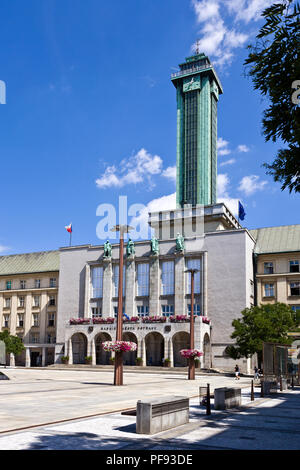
pixel 119 346
pixel 191 353
pixel 154 319
pixel 167 364
pixel 80 321
pixel 65 360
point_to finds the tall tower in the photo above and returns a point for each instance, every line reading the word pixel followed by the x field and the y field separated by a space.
pixel 198 89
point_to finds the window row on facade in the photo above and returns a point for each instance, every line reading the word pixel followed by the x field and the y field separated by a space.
pixel 36 301
pixel 35 320
pixel 269 289
pixel 143 279
pixel 292 266
pixel 28 284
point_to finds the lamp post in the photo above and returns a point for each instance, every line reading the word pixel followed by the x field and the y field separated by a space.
pixel 191 376
pixel 118 374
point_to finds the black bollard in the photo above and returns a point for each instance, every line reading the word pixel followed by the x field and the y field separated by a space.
pixel 280 383
pixel 293 381
pixel 262 388
pixel 208 410
pixel 252 390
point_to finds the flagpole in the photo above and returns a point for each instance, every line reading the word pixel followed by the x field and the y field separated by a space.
pixel 70 238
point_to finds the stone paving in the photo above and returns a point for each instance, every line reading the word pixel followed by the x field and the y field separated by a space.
pixel 35 397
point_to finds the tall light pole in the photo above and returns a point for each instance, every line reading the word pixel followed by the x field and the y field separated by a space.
pixel 118 374
pixel 192 272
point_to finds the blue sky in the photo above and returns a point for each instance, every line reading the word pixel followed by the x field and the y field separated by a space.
pixel 89 101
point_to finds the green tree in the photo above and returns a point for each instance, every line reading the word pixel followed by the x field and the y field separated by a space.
pixel 13 344
pixel 266 323
pixel 275 67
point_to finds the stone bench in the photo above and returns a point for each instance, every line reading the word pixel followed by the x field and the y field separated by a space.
pixel 227 398
pixel 153 416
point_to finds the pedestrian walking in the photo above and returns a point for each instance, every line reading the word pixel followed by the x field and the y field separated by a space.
pixel 237 372
pixel 256 373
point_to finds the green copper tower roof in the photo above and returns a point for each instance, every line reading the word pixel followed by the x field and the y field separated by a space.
pixel 198 89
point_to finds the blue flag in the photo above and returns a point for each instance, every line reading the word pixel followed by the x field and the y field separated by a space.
pixel 242 212
pixel 126 316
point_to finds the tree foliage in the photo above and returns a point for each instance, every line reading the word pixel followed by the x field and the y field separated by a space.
pixel 13 344
pixel 266 323
pixel 275 66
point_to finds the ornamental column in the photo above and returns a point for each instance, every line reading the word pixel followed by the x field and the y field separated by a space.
pixel 171 354
pixel 154 286
pixel 70 352
pixel 27 356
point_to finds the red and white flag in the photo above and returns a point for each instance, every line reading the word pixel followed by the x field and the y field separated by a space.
pixel 69 228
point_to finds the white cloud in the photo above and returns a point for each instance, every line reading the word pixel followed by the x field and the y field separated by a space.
pixel 222 147
pixel 134 170
pixel 223 183
pixel 243 148
pixel 251 184
pixel 228 162
pixel 170 173
pixel 160 204
pixel 3 248
pixel 219 39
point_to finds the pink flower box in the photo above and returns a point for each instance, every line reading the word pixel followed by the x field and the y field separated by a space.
pixel 119 346
pixel 191 353
pixel 154 319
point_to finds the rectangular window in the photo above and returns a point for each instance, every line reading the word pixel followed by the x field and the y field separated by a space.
pixel 143 279
pixel 52 282
pixel 8 285
pixel 268 268
pixel 194 264
pixel 35 319
pixel 7 302
pixel 142 310
pixel 167 310
pixel 20 320
pixel 116 280
pixel 97 282
pixel 36 301
pixel 269 290
pixel 96 312
pixel 167 277
pixel 295 288
pixel 5 321
pixel 37 283
pixel 35 338
pixel 116 311
pixel 197 309
pixel 294 266
pixel 51 319
pixel 296 310
pixel 22 284
pixel 21 301
pixel 52 300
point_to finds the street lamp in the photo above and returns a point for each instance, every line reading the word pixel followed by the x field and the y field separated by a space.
pixel 118 375
pixel 192 272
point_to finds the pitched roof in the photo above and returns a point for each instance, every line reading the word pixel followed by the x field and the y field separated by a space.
pixel 280 239
pixel 29 263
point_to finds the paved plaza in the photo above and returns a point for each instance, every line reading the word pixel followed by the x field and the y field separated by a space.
pixel 81 409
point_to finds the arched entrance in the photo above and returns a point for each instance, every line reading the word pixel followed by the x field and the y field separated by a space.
pixel 102 357
pixel 206 352
pixel 130 356
pixel 154 349
pixel 79 348
pixel 181 340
